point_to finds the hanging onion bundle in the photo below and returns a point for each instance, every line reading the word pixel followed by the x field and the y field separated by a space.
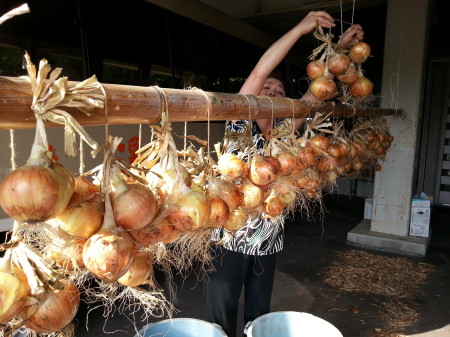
pixel 42 188
pixel 109 253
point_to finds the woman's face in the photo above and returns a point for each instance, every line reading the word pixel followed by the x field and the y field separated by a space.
pixel 273 88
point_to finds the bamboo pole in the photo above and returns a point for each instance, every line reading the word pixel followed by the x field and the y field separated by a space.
pixel 135 105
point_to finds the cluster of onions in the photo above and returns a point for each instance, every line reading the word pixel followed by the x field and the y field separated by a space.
pixel 340 68
pixel 33 294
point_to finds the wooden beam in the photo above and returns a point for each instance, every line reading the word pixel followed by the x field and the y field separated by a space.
pixel 134 105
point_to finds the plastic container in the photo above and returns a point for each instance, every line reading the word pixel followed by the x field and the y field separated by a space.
pixel 181 327
pixel 290 324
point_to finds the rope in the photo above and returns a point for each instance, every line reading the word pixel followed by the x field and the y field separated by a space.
pixel 81 151
pixel 12 146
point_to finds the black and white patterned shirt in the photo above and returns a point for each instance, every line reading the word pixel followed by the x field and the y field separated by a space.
pixel 261 235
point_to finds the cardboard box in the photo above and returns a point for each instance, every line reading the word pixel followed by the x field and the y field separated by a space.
pixel 368 208
pixel 420 217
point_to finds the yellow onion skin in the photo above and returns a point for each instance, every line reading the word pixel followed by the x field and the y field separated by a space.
pixel 359 52
pixel 232 167
pixel 36 193
pixel 191 211
pixel 225 190
pixel 109 255
pixel 338 64
pixel 13 280
pixel 65 257
pixel 134 206
pixel 274 206
pixel 139 272
pixel 349 76
pixel 253 196
pixel 361 87
pixel 264 170
pixel 83 220
pixel 238 218
pixel 287 161
pixel 154 233
pixel 57 309
pixel 324 88
pixel 315 69
pixel 220 212
pixel 83 190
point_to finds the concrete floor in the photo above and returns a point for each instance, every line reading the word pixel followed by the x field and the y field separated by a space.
pixel 310 246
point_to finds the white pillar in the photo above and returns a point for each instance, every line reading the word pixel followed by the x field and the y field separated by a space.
pixel 402 87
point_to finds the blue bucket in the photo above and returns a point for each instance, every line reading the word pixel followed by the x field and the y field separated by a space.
pixel 181 327
pixel 290 324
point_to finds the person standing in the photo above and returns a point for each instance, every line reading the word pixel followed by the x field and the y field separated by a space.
pixel 247 257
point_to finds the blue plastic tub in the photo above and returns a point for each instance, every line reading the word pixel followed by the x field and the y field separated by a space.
pixel 181 327
pixel 290 324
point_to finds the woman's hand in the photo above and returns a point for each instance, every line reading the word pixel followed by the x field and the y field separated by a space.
pixel 354 33
pixel 313 19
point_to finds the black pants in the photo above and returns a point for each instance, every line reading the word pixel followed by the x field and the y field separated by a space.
pixel 232 271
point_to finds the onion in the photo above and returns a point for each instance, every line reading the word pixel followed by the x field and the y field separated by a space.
pixel 253 196
pixel 14 290
pixel 238 218
pixel 108 255
pixel 35 192
pixel 319 143
pixel 55 311
pixel 226 190
pixel 349 76
pixel 338 64
pixel 305 158
pixel 154 233
pixel 83 220
pixel 315 69
pixel 64 257
pixel 361 87
pixel 274 206
pixel 134 205
pixel 232 167
pixel 169 177
pixel 264 170
pixel 324 88
pixel 190 210
pixel 334 150
pixel 359 52
pixel 326 163
pixel 287 161
pixel 139 272
pixel 83 190
pixel 220 212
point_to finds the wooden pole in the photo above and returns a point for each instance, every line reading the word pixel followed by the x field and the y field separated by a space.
pixel 135 105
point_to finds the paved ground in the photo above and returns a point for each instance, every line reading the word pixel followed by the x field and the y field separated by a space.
pixel 310 247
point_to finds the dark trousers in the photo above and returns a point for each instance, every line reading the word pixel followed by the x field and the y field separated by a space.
pixel 232 272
